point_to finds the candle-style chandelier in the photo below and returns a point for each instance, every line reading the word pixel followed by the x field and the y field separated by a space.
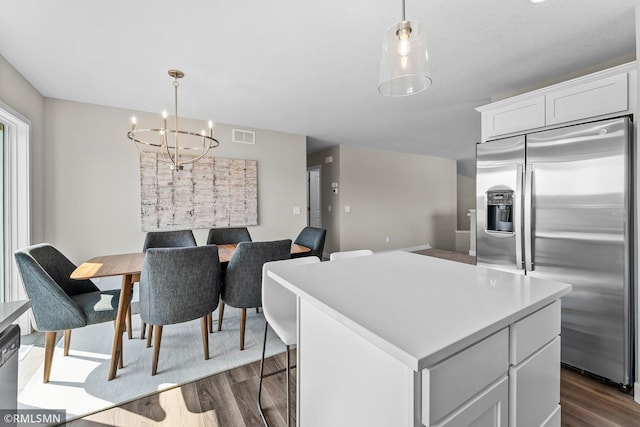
pixel 194 145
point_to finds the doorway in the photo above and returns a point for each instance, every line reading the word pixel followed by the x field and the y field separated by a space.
pixel 314 197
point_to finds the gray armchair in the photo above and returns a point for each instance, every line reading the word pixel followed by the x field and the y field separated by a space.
pixel 162 239
pixel 313 238
pixel 169 239
pixel 58 302
pixel 242 287
pixel 178 285
pixel 225 236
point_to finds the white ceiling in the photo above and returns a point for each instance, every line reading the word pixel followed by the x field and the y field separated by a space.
pixel 310 67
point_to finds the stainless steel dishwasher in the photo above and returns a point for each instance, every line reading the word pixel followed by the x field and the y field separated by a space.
pixel 9 345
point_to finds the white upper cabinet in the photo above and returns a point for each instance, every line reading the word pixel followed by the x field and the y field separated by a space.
pixel 598 95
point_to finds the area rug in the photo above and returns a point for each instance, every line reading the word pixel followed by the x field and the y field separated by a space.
pixel 79 383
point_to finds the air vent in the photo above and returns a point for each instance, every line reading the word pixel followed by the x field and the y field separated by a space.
pixel 243 136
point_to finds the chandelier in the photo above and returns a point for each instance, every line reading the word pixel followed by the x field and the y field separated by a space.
pixel 176 147
pixel 404 67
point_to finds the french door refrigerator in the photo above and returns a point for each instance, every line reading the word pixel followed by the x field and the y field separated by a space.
pixel 557 204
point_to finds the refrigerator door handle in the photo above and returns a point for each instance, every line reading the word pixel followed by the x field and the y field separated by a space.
pixel 528 194
pixel 517 218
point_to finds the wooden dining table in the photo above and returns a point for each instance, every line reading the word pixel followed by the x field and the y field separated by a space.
pixel 129 267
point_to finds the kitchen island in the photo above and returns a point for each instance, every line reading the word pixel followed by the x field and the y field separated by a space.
pixel 400 339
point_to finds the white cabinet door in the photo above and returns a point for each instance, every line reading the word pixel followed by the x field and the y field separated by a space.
pixel 596 98
pixel 534 387
pixel 488 409
pixel 515 117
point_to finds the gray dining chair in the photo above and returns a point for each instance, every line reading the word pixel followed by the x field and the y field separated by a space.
pixel 58 302
pixel 178 285
pixel 242 286
pixel 228 235
pixel 313 238
pixel 162 239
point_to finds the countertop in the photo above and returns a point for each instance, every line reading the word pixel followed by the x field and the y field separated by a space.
pixel 10 311
pixel 418 309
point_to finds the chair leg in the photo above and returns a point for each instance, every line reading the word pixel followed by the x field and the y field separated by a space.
pixel 49 345
pixel 128 324
pixel 149 335
pixel 257 309
pixel 205 336
pixel 220 314
pixel 156 348
pixel 143 329
pixel 288 386
pixel 243 323
pixel 264 348
pixel 67 341
pixel 210 322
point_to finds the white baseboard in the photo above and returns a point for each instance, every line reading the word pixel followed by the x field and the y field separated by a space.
pixel 472 253
pixel 636 392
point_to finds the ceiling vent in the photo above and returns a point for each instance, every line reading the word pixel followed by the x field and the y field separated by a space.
pixel 243 136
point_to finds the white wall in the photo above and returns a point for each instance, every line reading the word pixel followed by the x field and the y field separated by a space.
pixel 92 179
pixel 409 198
pixel 466 199
pixel 329 172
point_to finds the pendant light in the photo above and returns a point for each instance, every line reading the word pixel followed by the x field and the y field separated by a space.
pixel 404 67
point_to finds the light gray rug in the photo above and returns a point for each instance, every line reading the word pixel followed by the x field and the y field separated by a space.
pixel 79 383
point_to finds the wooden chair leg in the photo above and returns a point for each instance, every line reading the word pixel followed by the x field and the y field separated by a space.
pixel 210 322
pixel 220 314
pixel 143 329
pixel 243 323
pixel 156 348
pixel 149 335
pixel 49 345
pixel 205 335
pixel 67 341
pixel 257 309
pixel 128 324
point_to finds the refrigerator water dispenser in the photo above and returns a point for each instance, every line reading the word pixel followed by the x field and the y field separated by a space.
pixel 500 211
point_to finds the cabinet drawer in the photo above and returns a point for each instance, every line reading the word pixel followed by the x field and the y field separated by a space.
pixel 519 116
pixel 534 387
pixel 457 379
pixel 488 409
pixel 534 331
pixel 596 98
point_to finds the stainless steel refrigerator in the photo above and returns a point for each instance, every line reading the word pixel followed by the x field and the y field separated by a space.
pixel 557 204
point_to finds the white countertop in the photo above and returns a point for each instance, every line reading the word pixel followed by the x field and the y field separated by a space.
pixel 10 311
pixel 418 309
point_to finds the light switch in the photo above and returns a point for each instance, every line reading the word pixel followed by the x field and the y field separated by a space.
pixel 347 208
pixel 329 208
pixel 296 210
pixel 328 159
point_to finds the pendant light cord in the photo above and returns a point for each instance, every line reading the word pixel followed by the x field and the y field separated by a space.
pixel 403 14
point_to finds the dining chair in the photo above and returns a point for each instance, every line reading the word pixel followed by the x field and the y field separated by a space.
pixel 162 239
pixel 178 285
pixel 58 302
pixel 225 236
pixel 311 237
pixel 279 307
pixel 242 285
pixel 350 254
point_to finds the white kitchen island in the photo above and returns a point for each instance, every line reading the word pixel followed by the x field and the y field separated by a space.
pixel 400 339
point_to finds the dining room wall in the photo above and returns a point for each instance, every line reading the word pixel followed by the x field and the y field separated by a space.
pixel 92 178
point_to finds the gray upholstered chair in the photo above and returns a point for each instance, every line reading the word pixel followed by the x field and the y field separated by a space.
pixel 313 238
pixel 169 239
pixel 58 302
pixel 225 236
pixel 162 239
pixel 178 285
pixel 242 287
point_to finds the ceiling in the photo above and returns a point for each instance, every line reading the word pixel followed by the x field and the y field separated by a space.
pixel 310 67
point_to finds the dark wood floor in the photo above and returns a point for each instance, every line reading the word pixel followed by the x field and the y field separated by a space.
pixel 228 399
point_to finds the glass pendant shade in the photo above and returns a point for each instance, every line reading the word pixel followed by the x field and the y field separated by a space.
pixel 404 66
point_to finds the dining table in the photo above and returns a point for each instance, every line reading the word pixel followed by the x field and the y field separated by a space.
pixel 129 267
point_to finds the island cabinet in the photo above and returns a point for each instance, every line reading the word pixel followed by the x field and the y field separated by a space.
pixel 399 339
pixel 607 93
